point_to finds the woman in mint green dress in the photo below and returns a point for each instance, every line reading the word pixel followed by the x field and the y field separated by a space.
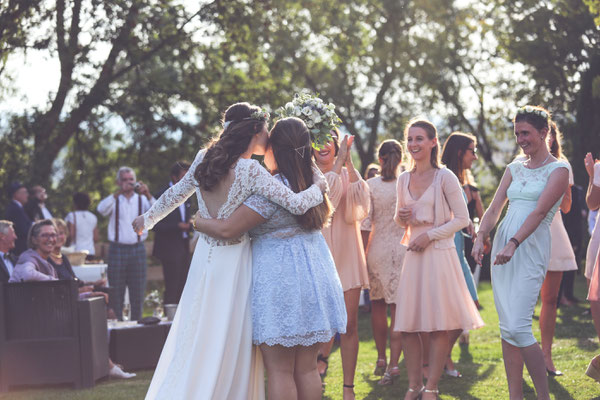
pixel 521 249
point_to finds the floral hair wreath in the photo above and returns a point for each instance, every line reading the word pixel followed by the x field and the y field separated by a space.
pixel 262 115
pixel 533 110
pixel 320 118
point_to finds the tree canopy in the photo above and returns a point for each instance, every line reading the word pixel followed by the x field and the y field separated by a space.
pixel 144 82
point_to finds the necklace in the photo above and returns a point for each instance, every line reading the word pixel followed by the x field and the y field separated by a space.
pixel 56 255
pixel 543 162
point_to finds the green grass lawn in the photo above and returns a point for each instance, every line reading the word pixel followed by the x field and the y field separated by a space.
pixel 481 365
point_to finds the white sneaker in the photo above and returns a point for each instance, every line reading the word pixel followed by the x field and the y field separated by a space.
pixel 117 372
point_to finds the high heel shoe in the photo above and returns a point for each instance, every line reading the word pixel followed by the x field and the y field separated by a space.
pixel 418 391
pixel 436 391
pixel 593 371
pixel 554 373
pixel 380 367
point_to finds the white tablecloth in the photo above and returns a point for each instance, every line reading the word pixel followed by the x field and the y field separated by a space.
pixel 90 272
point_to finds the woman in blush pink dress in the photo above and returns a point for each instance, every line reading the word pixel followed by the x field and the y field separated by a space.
pixel 562 258
pixel 349 194
pixel 432 294
pixel 385 256
pixel 593 202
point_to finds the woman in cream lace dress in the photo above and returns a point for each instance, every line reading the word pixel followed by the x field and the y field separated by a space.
pixel 208 353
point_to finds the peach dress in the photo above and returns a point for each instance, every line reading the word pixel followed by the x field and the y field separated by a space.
pixel 351 203
pixel 562 257
pixel 432 294
pixel 385 254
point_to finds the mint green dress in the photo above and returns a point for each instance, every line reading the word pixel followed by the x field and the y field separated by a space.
pixel 517 284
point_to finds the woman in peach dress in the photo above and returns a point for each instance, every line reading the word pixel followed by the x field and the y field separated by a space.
pixel 430 205
pixel 384 258
pixel 349 195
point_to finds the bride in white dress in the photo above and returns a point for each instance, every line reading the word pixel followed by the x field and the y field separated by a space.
pixel 208 353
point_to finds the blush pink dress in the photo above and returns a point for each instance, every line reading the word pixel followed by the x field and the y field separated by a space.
pixel 432 294
pixel 351 203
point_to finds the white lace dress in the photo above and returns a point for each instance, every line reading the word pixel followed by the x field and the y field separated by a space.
pixel 208 353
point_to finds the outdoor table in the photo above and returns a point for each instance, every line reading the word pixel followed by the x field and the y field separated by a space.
pixel 89 272
pixel 137 346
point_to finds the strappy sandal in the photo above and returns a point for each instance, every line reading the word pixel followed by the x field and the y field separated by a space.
pixel 380 367
pixel 436 391
pixel 325 360
pixel 350 387
pixel 386 380
pixel 418 391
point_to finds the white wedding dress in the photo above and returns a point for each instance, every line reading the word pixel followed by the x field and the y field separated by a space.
pixel 209 353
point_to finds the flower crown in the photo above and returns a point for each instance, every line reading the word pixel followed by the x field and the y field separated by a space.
pixel 533 110
pixel 262 115
pixel 320 118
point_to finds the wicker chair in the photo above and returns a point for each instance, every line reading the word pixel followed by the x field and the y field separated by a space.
pixel 48 336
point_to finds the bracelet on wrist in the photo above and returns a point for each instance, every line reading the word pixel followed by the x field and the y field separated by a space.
pixel 515 241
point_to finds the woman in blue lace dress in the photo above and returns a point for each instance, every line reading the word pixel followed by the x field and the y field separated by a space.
pixel 534 187
pixel 297 297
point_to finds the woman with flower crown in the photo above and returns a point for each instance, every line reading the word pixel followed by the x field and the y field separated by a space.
pixel 208 353
pixel 297 297
pixel 534 187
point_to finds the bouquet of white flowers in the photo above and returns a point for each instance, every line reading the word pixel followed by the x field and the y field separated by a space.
pixel 320 118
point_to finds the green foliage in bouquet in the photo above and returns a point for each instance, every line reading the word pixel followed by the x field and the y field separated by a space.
pixel 319 117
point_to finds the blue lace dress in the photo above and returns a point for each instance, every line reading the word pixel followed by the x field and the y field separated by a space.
pixel 296 296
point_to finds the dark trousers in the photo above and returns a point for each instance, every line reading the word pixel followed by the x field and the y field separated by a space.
pixel 176 266
pixel 127 268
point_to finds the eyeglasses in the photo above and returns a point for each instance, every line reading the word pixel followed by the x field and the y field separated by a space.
pixel 473 150
pixel 48 235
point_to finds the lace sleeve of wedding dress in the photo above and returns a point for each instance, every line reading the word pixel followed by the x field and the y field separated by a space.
pixel 174 196
pixel 267 186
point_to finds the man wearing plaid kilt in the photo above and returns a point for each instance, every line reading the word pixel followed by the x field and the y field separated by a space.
pixel 126 253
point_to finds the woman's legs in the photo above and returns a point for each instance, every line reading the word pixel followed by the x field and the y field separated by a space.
pixel 438 351
pixel 324 352
pixel 306 376
pixel 550 290
pixel 412 355
pixel 452 338
pixel 349 341
pixel 380 328
pixel 532 356
pixel 395 341
pixel 513 364
pixel 279 362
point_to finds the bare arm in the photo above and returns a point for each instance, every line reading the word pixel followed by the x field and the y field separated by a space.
pixel 565 204
pixel 478 205
pixel 240 221
pixel 491 216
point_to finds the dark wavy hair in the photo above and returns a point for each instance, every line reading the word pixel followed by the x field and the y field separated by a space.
pixel 233 141
pixel 431 131
pixel 453 151
pixel 556 147
pixel 291 144
pixel 533 118
pixel 390 153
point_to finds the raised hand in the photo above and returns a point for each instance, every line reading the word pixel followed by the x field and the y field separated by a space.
pixel 589 164
pixel 138 224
